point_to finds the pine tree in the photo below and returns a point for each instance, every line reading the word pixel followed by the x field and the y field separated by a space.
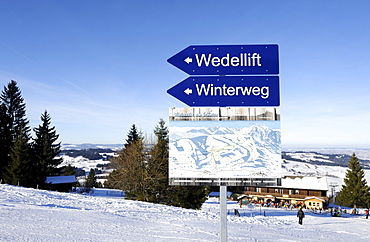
pixel 158 165
pixel 68 170
pixel 159 190
pixel 5 140
pixel 21 169
pixel 13 116
pixel 12 98
pixel 133 170
pixel 114 179
pixel 191 197
pixel 145 177
pixel 354 192
pixel 46 149
pixel 130 168
pixel 133 136
pixel 91 180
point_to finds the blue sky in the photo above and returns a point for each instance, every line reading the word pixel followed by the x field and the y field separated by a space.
pixel 100 66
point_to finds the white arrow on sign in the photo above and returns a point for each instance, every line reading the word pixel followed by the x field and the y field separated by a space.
pixel 188 91
pixel 188 60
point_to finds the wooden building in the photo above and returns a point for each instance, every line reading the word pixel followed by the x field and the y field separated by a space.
pixel 61 183
pixel 293 190
pixel 314 203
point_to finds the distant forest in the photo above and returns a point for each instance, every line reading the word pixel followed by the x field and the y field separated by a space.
pixel 91 154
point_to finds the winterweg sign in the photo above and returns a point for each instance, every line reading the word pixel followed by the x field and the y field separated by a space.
pixel 228 91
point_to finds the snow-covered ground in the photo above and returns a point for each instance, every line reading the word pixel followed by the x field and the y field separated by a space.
pixel 81 162
pixel 333 174
pixel 36 215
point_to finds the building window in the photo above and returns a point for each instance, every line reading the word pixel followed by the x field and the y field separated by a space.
pixel 296 191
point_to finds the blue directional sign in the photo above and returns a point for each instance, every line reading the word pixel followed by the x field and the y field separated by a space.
pixel 228 91
pixel 228 59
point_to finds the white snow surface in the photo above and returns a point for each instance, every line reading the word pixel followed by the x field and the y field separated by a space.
pixel 37 215
pixel 81 162
pixel 333 174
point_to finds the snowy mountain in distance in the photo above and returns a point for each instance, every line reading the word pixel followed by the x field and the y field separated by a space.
pixel 90 146
pixel 224 151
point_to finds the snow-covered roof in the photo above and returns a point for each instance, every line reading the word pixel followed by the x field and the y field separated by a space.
pixel 217 194
pixel 311 183
pixel 243 196
pixel 60 179
pixel 317 198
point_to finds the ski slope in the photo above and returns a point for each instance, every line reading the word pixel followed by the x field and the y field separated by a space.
pixel 37 215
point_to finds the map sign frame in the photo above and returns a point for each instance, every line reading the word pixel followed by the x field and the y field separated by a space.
pixel 234 146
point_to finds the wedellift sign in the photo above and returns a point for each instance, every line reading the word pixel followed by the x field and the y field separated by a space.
pixel 227 59
pixel 221 91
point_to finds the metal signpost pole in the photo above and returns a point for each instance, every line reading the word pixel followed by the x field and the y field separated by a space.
pixel 223 213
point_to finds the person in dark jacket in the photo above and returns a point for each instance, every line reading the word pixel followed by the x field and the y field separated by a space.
pixel 300 216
